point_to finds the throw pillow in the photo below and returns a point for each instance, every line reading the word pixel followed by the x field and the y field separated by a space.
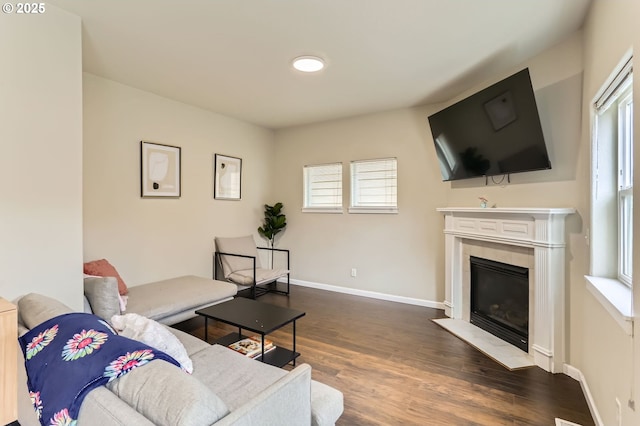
pixel 102 293
pixel 123 299
pixel 167 396
pixel 103 268
pixel 154 334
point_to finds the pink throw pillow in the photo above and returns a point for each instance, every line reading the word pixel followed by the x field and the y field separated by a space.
pixel 102 268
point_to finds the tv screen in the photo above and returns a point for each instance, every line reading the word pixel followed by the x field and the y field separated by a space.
pixel 496 131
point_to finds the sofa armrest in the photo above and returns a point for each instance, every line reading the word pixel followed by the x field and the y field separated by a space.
pixel 286 402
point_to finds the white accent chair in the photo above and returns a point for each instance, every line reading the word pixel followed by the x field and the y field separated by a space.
pixel 236 260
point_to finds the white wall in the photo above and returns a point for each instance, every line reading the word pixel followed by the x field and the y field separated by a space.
pixel 150 239
pixel 403 254
pixel 41 161
pixel 398 254
pixel 609 357
pixel 556 76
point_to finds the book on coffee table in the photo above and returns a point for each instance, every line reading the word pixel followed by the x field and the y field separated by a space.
pixel 252 346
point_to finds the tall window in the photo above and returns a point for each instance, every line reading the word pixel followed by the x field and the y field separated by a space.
pixel 323 188
pixel 612 180
pixel 374 186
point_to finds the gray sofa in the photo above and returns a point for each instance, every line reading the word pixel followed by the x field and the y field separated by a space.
pixel 168 301
pixel 225 388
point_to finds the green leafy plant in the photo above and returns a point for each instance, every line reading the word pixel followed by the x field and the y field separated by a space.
pixel 274 222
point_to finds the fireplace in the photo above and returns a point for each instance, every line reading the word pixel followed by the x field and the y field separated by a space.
pixel 526 237
pixel 499 300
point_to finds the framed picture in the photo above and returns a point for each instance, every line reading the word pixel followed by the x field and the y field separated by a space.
pixel 227 177
pixel 159 170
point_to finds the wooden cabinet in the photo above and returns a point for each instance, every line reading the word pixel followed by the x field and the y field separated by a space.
pixel 8 362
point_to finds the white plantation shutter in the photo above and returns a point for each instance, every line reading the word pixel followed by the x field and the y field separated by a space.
pixel 612 179
pixel 625 187
pixel 323 188
pixel 374 186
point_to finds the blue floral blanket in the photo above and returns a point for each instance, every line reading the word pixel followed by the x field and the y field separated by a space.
pixel 69 355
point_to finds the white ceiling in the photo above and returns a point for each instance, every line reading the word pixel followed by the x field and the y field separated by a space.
pixel 233 56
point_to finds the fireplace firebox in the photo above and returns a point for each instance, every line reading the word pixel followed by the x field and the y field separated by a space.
pixel 500 300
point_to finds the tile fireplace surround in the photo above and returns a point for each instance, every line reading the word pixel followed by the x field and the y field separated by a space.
pixel 529 237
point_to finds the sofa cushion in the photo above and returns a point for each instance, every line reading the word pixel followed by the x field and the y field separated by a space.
pixel 103 268
pixel 191 343
pixel 102 294
pixel 238 379
pixel 234 377
pixel 240 245
pixel 168 396
pixel 285 402
pixel 162 299
pixel 35 309
pixel 154 334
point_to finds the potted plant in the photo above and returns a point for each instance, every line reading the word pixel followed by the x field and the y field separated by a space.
pixel 274 222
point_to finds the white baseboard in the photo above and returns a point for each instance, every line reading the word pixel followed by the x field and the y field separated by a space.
pixel 576 374
pixel 370 294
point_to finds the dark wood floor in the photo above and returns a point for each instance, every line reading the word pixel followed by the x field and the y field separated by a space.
pixel 397 367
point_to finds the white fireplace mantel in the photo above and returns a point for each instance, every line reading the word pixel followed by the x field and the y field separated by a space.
pixel 541 229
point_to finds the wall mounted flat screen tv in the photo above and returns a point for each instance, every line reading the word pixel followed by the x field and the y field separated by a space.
pixel 493 132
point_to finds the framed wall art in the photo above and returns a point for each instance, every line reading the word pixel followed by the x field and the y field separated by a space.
pixel 159 170
pixel 227 177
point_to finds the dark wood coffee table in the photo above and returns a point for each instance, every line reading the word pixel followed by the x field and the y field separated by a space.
pixel 257 317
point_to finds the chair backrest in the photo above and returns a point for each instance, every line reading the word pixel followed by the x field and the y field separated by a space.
pixel 238 245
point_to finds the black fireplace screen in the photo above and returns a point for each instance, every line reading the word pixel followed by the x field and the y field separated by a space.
pixel 500 300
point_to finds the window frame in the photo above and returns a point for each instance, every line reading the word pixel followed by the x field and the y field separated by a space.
pixel 308 206
pixel 610 288
pixel 357 204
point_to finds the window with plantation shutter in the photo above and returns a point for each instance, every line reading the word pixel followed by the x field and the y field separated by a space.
pixel 612 180
pixel 323 188
pixel 610 236
pixel 374 186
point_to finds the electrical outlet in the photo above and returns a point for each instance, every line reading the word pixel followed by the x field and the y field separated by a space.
pixel 618 412
pixel 354 272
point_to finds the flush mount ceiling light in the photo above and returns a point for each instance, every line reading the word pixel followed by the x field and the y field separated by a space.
pixel 308 63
